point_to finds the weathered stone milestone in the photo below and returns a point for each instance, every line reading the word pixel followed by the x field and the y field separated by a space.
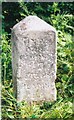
pixel 34 60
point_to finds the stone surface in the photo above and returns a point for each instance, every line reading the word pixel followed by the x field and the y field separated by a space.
pixel 34 60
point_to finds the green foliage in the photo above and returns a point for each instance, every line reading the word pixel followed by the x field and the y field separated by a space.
pixel 6 57
pixel 61 109
pixel 60 15
pixel 65 64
